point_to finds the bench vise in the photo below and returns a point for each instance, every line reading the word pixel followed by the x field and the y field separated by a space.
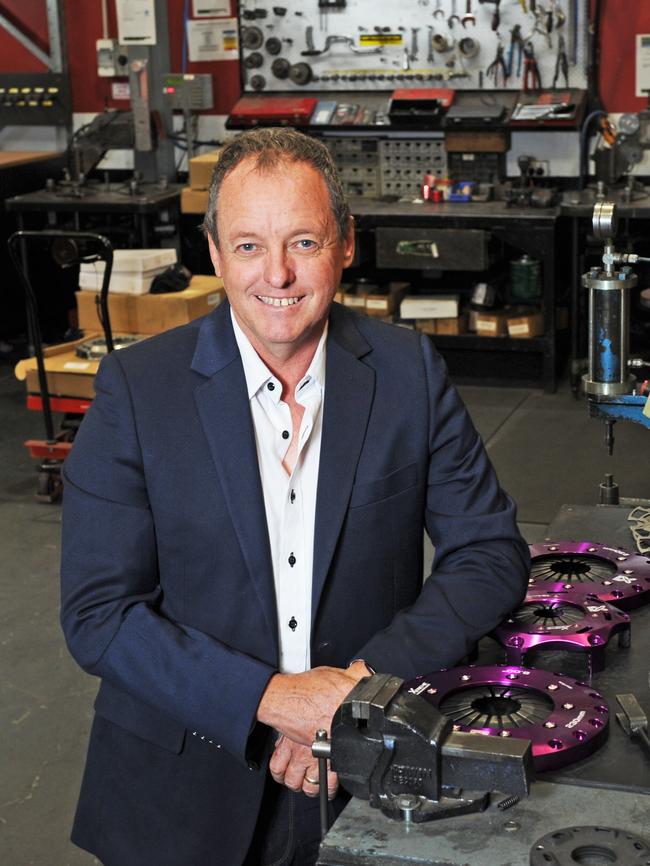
pixel 394 749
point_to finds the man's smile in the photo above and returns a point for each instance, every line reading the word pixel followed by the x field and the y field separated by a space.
pixel 279 302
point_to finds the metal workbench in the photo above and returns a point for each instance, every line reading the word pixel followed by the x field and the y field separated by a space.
pixel 610 788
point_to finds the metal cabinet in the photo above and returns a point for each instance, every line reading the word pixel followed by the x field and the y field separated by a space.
pixel 459 237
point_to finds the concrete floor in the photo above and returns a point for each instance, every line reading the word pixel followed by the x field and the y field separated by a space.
pixel 546 451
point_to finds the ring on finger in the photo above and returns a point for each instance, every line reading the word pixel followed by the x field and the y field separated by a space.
pixel 311 781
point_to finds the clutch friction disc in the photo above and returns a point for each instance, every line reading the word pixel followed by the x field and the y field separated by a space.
pixel 565 719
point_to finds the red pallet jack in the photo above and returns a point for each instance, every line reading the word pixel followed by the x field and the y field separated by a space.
pixel 68 248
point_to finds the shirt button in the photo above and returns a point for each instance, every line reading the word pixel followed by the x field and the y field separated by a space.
pixel 293 623
pixel 271 386
pixel 285 434
pixel 293 496
pixel 292 560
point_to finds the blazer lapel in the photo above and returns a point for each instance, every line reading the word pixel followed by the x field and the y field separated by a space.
pixel 349 391
pixel 224 410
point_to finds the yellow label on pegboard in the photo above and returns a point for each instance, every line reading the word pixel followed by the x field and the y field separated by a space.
pixel 380 39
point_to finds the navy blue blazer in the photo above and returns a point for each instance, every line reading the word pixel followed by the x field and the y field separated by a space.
pixel 167 583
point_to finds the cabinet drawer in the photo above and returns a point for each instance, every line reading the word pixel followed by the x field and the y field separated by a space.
pixel 432 249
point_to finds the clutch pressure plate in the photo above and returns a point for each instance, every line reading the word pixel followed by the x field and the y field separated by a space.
pixel 571 619
pixel 613 574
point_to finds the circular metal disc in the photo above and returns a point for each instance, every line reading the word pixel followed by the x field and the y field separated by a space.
pixel 254 60
pixel 565 719
pixel 280 67
pixel 252 38
pixel 629 123
pixel 300 73
pixel 273 45
pixel 572 845
pixel 258 82
pixel 617 576
pixel 604 220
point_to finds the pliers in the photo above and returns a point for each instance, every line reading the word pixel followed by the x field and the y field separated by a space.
pixel 532 78
pixel 498 64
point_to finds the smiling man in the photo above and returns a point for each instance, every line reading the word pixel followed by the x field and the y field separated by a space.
pixel 242 542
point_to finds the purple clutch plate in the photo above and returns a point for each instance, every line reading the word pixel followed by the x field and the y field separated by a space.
pixel 565 720
pixel 568 619
pixel 614 575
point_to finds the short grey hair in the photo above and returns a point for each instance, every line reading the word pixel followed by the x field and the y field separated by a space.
pixel 270 148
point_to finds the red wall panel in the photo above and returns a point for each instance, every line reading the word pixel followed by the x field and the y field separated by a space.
pixel 621 21
pixel 84 26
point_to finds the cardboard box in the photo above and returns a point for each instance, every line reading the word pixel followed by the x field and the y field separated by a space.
pixel 194 200
pixel 452 326
pixel 426 326
pixel 201 168
pixel 380 306
pixel 525 327
pixel 132 273
pixel 121 309
pixel 67 374
pixel 356 302
pixel 429 307
pixel 152 314
pixel 492 324
pixel 157 313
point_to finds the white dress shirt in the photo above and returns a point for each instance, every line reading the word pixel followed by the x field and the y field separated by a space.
pixel 289 500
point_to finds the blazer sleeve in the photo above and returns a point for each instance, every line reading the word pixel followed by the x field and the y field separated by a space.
pixel 481 564
pixel 110 588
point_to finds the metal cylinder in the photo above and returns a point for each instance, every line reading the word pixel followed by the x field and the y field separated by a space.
pixel 609 298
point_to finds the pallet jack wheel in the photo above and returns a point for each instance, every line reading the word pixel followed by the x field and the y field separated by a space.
pixel 50 483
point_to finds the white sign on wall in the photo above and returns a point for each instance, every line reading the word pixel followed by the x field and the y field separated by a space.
pixel 213 40
pixel 642 63
pixel 136 22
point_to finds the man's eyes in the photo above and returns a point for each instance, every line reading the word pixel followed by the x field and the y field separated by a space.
pixel 306 244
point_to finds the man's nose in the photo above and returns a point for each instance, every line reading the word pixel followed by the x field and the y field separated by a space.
pixel 278 268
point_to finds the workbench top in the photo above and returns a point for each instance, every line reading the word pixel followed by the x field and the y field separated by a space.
pixel 12 158
pixel 362 836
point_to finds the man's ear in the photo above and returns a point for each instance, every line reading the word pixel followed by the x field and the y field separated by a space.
pixel 349 244
pixel 215 256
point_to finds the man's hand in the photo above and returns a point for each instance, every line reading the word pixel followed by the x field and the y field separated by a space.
pixel 298 705
pixel 294 765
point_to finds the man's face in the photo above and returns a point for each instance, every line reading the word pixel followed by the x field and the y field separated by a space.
pixel 280 255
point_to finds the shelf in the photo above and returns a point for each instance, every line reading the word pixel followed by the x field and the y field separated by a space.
pixel 470 342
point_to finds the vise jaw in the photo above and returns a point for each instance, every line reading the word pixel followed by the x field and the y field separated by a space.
pixel 394 749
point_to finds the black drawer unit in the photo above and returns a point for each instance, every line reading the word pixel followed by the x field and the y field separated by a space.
pixel 432 249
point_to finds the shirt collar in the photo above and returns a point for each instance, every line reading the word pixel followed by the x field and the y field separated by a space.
pixel 258 374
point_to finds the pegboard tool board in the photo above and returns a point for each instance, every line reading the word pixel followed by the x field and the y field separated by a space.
pixel 370 45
